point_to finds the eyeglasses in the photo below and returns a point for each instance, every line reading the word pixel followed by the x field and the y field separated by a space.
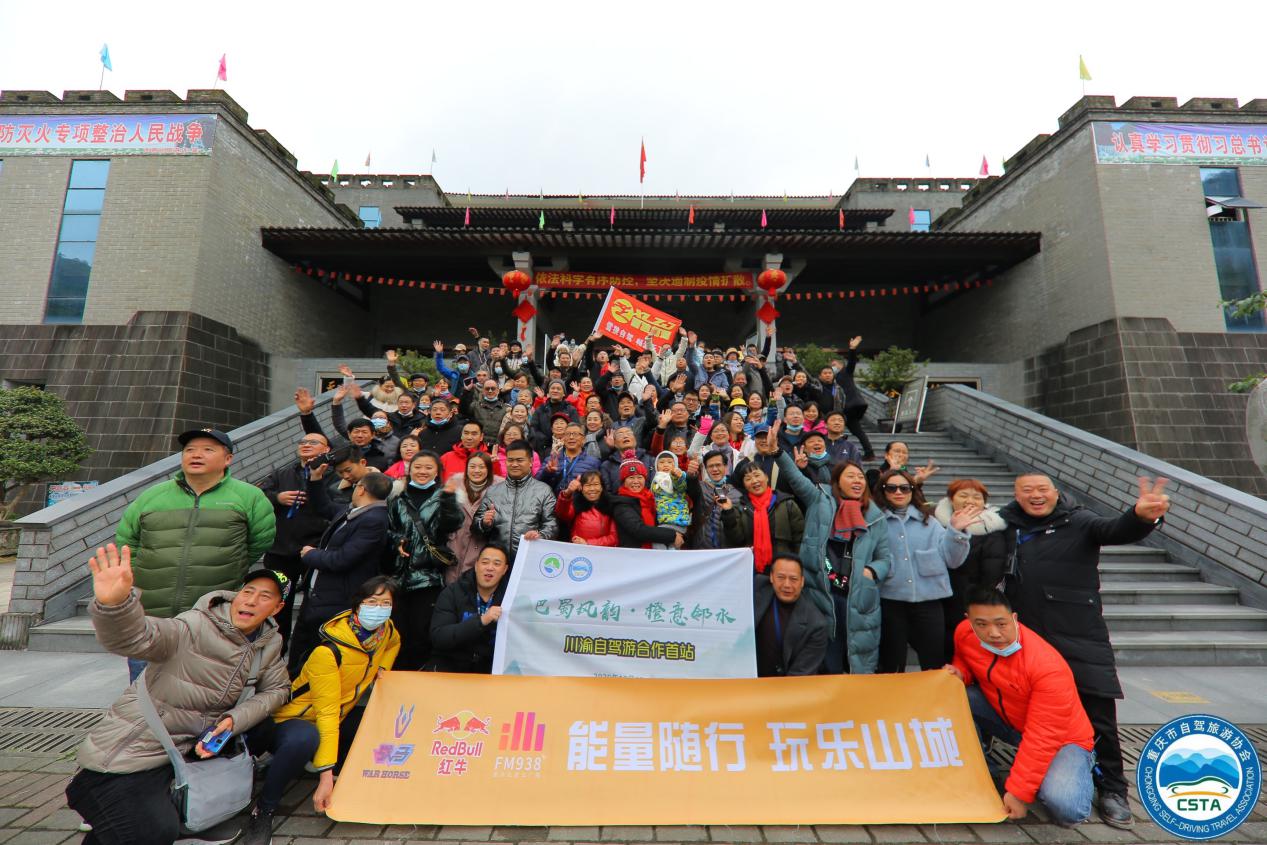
pixel 311 443
pixel 897 488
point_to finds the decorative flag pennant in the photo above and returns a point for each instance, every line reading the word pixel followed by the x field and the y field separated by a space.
pixel 855 165
pixel 613 217
pixel 763 220
pixel 334 171
pixel 105 57
pixel 928 162
pixel 910 217
pixel 367 157
pixel 223 73
pixel 785 196
pixel 690 219
pixel 580 199
pixel 433 155
pixel 642 162
pixel 842 219
pixel 541 220
pixel 467 221
pixel 508 195
pixel 1083 73
pixel 985 167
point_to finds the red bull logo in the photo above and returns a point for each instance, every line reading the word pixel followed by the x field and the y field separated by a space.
pixel 462 724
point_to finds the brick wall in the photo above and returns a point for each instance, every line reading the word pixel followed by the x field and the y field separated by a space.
pixel 1211 525
pixel 133 387
pixel 52 573
pixel 1138 382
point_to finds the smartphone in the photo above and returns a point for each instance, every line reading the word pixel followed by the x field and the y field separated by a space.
pixel 213 741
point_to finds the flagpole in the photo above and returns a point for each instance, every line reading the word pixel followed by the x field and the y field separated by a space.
pixel 103 77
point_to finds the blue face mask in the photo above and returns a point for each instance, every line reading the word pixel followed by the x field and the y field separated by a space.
pixel 820 458
pixel 463 367
pixel 372 616
pixel 436 422
pixel 793 429
pixel 379 424
pixel 427 486
pixel 1006 651
pixel 424 409
pixel 742 412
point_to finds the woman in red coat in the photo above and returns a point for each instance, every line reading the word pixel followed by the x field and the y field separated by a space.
pixel 584 513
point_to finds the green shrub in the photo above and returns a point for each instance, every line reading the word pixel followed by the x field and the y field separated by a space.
pixel 890 371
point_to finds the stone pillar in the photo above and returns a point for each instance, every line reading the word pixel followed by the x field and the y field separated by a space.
pixel 523 261
pixel 774 261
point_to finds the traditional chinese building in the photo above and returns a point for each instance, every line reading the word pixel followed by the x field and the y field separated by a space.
pixel 165 264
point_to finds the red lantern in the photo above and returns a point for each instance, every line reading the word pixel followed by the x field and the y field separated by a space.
pixel 516 281
pixel 771 280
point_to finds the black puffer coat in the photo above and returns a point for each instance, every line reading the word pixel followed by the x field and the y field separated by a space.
pixel 1054 584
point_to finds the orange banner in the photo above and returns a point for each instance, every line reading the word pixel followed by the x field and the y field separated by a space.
pixel 523 750
pixel 627 320
pixel 602 281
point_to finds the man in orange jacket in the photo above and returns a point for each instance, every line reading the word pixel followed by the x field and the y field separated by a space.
pixel 1022 691
pixel 453 462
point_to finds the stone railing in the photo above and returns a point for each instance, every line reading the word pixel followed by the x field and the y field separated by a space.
pixel 1216 528
pixel 52 573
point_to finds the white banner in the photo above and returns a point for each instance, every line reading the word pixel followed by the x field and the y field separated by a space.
pixel 592 611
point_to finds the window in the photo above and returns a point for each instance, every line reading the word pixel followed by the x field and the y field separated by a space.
pixel 921 220
pixel 1229 234
pixel 77 241
pixel 371 216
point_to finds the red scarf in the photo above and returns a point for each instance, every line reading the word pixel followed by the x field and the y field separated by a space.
pixel 762 545
pixel 848 519
pixel 646 500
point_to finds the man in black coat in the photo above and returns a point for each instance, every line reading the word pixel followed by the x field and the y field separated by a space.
pixel 792 633
pixel 1053 581
pixel 349 552
pixel 299 521
pixel 464 625
pixel 443 430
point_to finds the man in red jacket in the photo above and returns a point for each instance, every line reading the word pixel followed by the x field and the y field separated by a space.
pixel 1022 691
pixel 454 461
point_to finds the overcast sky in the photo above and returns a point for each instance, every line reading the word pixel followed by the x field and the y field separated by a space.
pixel 761 98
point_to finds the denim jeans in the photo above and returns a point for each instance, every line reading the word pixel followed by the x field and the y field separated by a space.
pixel 1066 789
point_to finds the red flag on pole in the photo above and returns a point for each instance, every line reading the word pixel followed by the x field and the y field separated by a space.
pixel 763 220
pixel 467 221
pixel 642 163
pixel 842 218
pixel 985 167
pixel 910 217
pixel 613 217
pixel 690 220
pixel 223 73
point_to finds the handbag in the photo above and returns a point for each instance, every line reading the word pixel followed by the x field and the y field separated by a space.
pixel 206 792
pixel 442 555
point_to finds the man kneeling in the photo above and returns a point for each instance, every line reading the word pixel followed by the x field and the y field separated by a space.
pixel 791 632
pixel 1026 697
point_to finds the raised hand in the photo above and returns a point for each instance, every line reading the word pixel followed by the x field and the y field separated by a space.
pixel 528 350
pixel 925 471
pixel 573 486
pixel 692 467
pixel 802 460
pixel 1153 501
pixel 595 336
pixel 391 356
pixel 438 346
pixel 451 483
pixel 692 338
pixel 965 516
pixel 357 393
pixel 665 416
pixel 648 393
pixel 475 333
pixel 775 427
pixel 111 574
pixel 855 342
pixel 346 371
pixel 610 439
pixel 339 393
pixel 304 401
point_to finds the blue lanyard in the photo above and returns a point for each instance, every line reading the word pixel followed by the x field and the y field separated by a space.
pixel 481 606
pixel 778 626
pixel 567 465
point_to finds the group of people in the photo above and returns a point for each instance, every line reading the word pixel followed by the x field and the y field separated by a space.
pixel 399 529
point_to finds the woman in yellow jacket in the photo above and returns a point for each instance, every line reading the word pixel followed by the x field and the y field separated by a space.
pixel 355 646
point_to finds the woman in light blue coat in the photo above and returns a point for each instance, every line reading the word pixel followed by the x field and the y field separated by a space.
pixel 847 592
pixel 923 552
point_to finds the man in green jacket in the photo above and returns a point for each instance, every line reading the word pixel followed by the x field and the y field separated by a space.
pixel 197 532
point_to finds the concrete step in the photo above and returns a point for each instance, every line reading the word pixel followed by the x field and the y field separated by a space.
pixel 1190 648
pixel 1166 592
pixel 1135 571
pixel 68 635
pixel 1196 619
pixel 1125 553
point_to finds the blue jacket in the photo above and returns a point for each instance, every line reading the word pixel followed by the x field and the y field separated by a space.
pixel 569 468
pixel 923 555
pixel 871 548
pixel 351 551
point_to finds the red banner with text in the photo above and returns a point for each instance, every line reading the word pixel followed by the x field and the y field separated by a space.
pixel 631 322
pixel 600 281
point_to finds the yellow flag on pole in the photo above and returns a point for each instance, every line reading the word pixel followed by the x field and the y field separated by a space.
pixel 1083 73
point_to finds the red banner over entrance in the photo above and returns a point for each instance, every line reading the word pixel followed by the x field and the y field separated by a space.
pixel 601 281
pixel 628 321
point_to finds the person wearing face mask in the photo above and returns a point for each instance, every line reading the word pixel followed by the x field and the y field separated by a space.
pixel 1022 691
pixel 319 721
pixel 419 523
pixel 352 548
pixel 443 430
pixel 488 410
pixel 792 432
pixel 406 417
pixel 813 459
pixel 464 626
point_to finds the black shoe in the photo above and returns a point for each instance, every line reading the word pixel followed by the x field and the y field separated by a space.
pixel 1115 811
pixel 259 828
pixel 222 834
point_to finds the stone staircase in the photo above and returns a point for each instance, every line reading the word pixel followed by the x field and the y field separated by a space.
pixel 1159 613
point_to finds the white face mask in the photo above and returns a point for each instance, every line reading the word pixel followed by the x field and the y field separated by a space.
pixel 372 616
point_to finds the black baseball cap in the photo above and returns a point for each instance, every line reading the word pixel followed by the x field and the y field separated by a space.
pixel 218 436
pixel 278 578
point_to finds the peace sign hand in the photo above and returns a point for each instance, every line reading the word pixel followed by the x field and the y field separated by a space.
pixel 925 471
pixel 1153 501
pixel 802 460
